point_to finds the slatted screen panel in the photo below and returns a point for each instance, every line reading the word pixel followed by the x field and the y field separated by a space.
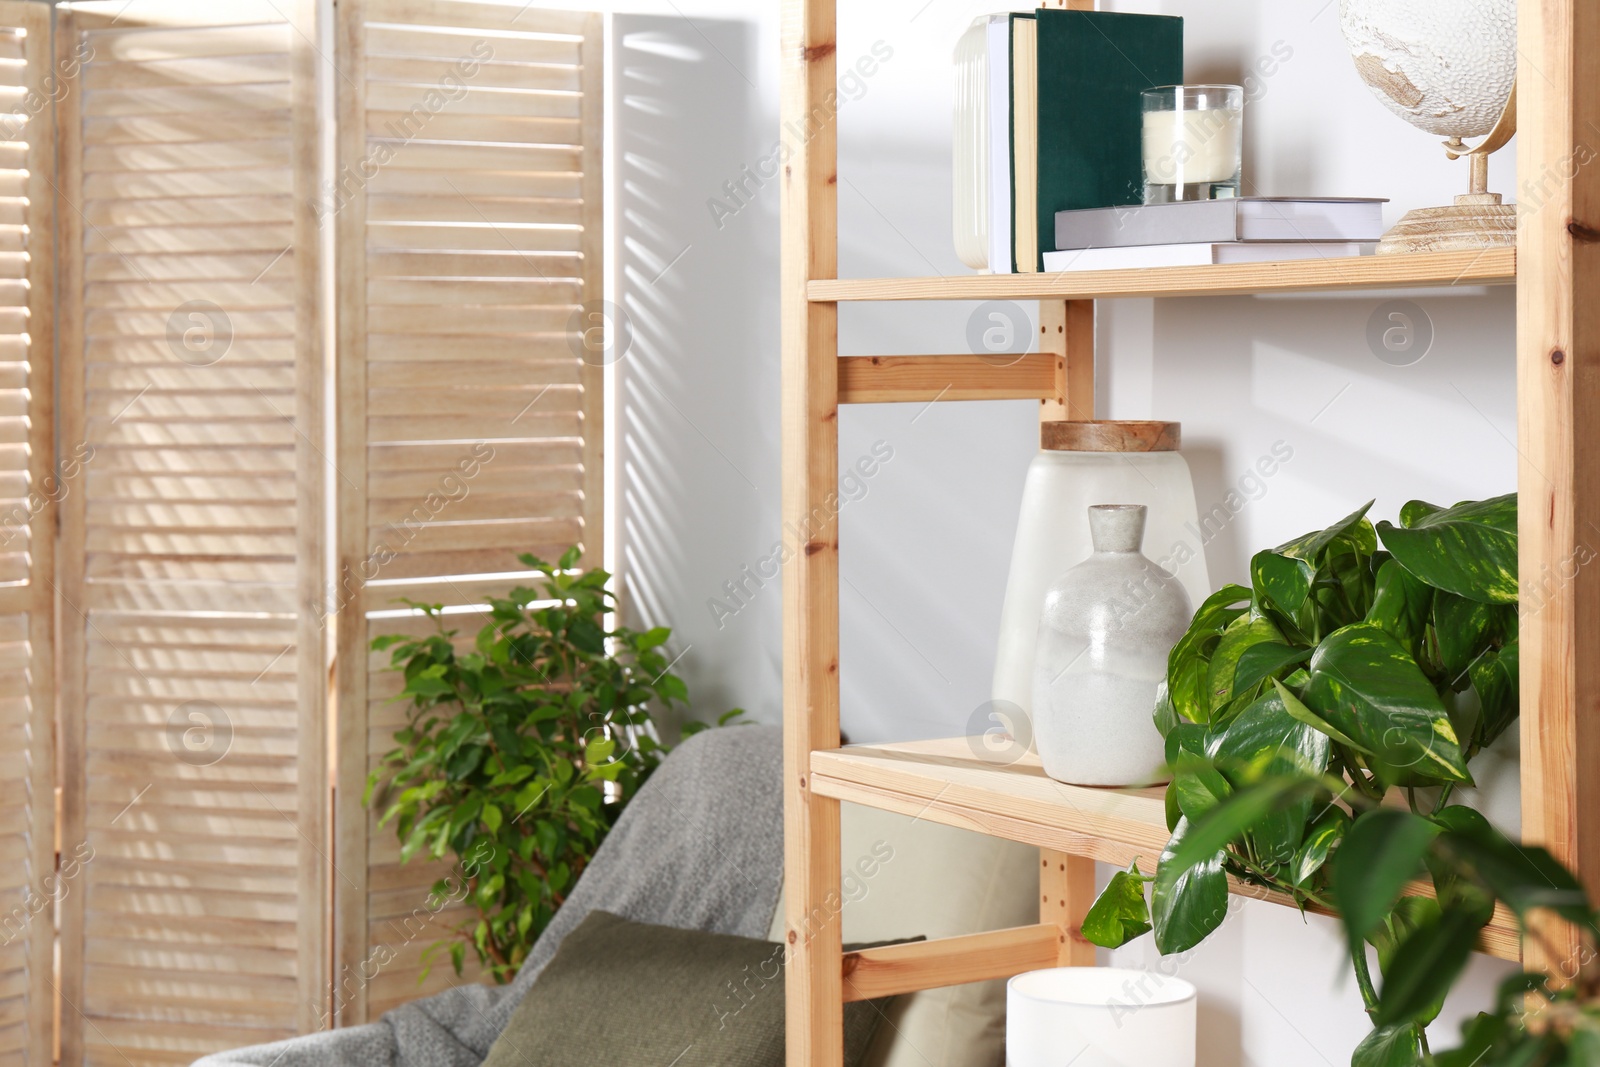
pixel 470 237
pixel 29 489
pixel 193 723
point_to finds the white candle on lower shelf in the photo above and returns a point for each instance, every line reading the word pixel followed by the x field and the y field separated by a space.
pixel 1190 147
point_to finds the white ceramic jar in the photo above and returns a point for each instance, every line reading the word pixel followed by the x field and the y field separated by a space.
pixel 1099 1017
pixel 1081 464
pixel 1104 635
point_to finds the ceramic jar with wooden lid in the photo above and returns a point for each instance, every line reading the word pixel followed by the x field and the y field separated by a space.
pixel 1081 464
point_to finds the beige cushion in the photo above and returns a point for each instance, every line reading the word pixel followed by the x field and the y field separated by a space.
pixel 905 877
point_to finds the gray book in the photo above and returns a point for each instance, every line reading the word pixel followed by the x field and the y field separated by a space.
pixel 1252 218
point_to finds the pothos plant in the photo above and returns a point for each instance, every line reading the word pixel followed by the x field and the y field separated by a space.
pixel 1374 670
pixel 1534 1021
pixel 520 751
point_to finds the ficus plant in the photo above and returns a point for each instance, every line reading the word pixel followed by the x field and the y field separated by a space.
pixel 521 749
pixel 1372 671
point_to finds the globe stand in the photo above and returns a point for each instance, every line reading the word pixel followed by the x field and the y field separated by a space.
pixel 1477 221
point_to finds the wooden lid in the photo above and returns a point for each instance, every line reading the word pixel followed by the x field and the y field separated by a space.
pixel 1110 436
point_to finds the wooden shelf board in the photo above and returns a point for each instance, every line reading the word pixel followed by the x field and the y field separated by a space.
pixel 958 782
pixel 1405 271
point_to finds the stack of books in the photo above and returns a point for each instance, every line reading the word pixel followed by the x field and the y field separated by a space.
pixel 1054 177
pixel 1243 230
pixel 1060 112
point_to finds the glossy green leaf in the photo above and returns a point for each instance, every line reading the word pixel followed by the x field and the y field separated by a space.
pixel 1381 852
pixel 1527 878
pixel 1389 1046
pixel 1260 662
pixel 1320 841
pixel 1227 822
pixel 1188 664
pixel 1369 688
pixel 1469 550
pixel 1188 900
pixel 1286 580
pixel 1120 914
pixel 1199 786
pixel 1262 740
pixel 1463 629
pixel 1165 717
pixel 1424 966
pixel 1401 605
pixel 1298 711
pixel 1243 634
pixel 1495 679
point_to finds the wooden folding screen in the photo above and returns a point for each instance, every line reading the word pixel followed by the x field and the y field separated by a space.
pixel 30 487
pixel 193 723
pixel 471 344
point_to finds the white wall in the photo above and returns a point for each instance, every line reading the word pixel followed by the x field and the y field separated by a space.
pixel 925 550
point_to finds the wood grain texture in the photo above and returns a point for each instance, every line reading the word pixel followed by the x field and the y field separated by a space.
pixel 946 782
pixel 1416 270
pixel 1120 436
pixel 925 379
pixel 1066 890
pixel 469 277
pixel 193 727
pixel 810 451
pixel 896 969
pixel 29 493
pixel 1558 484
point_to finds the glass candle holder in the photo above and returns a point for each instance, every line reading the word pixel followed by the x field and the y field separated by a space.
pixel 1099 1017
pixel 1193 142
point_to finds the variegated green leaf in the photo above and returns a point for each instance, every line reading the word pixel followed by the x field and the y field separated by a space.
pixel 1368 687
pixel 1469 550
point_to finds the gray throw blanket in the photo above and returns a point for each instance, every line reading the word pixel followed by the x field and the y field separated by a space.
pixel 700 847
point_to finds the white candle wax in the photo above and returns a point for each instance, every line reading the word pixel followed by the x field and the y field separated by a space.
pixel 1188 147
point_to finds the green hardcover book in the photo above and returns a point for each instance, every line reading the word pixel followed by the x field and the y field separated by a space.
pixel 1092 67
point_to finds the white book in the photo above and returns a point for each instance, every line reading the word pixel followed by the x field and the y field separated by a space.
pixel 1198 255
pixel 999 35
pixel 1252 218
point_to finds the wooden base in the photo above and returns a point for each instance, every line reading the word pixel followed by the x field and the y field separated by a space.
pixel 1477 221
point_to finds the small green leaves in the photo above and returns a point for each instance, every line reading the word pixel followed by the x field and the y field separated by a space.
pixel 1120 914
pixel 521 748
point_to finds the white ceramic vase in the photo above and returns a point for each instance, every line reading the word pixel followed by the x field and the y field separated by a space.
pixel 1104 635
pixel 1080 464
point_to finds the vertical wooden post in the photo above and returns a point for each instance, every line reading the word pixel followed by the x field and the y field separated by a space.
pixel 351 819
pixel 313 795
pixel 810 527
pixel 1558 359
pixel 72 649
pixel 1066 331
pixel 1066 889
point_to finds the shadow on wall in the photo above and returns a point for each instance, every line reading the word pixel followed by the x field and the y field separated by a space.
pixel 697 391
pixel 1386 396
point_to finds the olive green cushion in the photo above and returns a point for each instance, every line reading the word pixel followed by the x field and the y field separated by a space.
pixel 627 994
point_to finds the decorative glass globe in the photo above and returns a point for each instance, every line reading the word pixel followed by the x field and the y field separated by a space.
pixel 1448 67
pixel 1445 66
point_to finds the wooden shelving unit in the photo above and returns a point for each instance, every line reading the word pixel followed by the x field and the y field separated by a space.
pixel 1556 268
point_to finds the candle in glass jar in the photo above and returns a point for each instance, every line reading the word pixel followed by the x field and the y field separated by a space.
pixel 1188 147
pixel 1193 137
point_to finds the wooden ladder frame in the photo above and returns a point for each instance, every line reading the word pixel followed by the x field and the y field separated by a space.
pixel 1558 345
